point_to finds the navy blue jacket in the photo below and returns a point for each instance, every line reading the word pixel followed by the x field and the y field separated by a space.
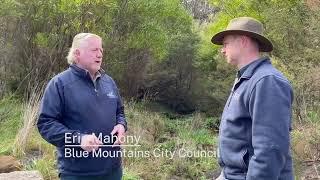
pixel 254 135
pixel 73 103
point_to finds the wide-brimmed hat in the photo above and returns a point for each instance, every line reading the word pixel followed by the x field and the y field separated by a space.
pixel 245 26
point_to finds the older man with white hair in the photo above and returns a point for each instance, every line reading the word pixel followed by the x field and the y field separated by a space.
pixel 78 105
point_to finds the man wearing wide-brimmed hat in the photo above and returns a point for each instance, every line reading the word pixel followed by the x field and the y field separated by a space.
pixel 254 135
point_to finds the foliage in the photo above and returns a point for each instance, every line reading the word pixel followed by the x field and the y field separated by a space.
pixel 158 52
pixel 10 113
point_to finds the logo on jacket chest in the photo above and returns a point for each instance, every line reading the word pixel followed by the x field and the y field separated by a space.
pixel 108 91
pixel 111 95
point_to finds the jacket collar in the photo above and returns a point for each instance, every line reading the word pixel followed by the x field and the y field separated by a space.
pixel 83 72
pixel 248 73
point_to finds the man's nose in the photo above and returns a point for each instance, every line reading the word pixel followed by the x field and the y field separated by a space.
pixel 99 55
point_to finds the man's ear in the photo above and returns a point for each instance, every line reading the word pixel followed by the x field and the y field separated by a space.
pixel 245 41
pixel 76 54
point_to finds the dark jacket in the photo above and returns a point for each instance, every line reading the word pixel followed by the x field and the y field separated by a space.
pixel 254 136
pixel 73 103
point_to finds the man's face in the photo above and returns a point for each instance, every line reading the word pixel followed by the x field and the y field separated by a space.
pixel 232 48
pixel 89 55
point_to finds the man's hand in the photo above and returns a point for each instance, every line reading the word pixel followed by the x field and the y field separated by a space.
pixel 90 142
pixel 120 131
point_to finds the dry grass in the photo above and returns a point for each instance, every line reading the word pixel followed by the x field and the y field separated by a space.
pixel 29 117
pixel 306 142
pixel 306 150
pixel 157 131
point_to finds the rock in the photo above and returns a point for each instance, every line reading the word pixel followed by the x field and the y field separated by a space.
pixel 9 164
pixel 21 175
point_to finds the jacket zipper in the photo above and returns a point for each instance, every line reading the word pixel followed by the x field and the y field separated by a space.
pixel 95 87
pixel 236 81
pixel 94 84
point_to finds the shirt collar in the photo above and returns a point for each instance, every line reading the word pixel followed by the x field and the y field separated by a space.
pixel 248 70
pixel 98 75
pixel 85 73
pixel 242 70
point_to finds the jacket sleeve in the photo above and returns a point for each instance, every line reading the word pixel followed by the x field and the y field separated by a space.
pixel 270 108
pixel 50 124
pixel 120 116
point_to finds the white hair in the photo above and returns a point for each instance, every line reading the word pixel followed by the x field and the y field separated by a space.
pixel 78 40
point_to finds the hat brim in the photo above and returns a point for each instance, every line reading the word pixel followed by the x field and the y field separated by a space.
pixel 265 44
